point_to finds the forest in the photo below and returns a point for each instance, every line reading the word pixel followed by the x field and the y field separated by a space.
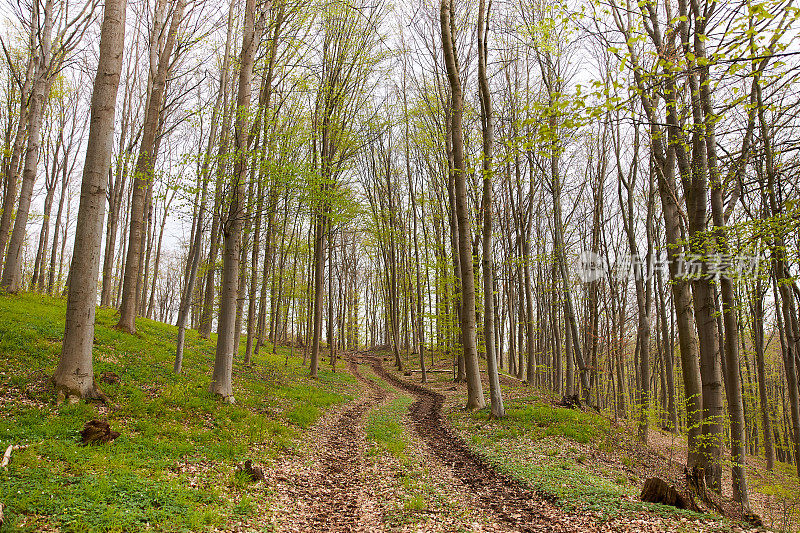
pixel 338 265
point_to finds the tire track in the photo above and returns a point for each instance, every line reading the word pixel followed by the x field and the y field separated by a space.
pixel 511 501
pixel 334 496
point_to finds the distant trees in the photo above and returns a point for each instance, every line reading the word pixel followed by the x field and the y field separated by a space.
pixel 47 52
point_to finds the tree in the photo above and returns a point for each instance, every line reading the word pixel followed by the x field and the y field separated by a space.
pixel 469 345
pixel 47 61
pixel 74 376
pixel 160 63
pixel 487 126
pixel 232 227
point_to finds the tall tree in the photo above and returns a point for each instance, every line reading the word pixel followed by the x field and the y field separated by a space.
pixel 161 61
pixel 475 398
pixel 487 126
pixel 74 376
pixel 221 383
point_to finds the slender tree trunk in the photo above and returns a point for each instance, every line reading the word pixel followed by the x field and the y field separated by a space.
pixel 475 398
pixel 669 359
pixel 74 376
pixel 51 274
pixel 151 301
pixel 37 282
pixel 498 410
pixel 43 77
pixel 143 173
pixel 758 348
pixel 232 229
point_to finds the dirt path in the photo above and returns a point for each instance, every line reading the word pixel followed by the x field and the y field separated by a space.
pixel 511 502
pixel 333 494
pixel 335 486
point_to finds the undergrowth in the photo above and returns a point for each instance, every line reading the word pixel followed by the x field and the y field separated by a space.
pixel 552 449
pixel 174 466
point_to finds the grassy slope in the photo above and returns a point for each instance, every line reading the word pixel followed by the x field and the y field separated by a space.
pixel 173 468
pixel 563 453
pixel 585 462
pixel 558 451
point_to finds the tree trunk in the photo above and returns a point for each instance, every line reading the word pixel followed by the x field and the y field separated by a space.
pixel 498 410
pixel 143 173
pixel 232 229
pixel 74 375
pixel 475 398
pixel 51 274
pixel 43 77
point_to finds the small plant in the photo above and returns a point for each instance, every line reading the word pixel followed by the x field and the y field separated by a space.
pixel 414 503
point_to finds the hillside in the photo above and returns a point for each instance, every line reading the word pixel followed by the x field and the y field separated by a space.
pixel 362 447
pixel 174 466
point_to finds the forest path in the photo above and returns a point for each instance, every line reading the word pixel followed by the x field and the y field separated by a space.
pixel 510 503
pixel 337 487
pixel 331 490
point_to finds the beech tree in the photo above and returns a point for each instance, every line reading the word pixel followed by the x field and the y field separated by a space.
pixel 232 225
pixel 474 388
pixel 167 20
pixel 74 376
pixel 557 196
pixel 46 60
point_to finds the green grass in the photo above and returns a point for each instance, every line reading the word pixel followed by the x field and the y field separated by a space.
pixel 538 420
pixel 384 429
pixel 386 433
pixel 173 467
pixel 546 446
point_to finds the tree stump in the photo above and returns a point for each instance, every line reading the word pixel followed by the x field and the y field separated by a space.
pixel 97 432
pixel 656 490
pixel 570 402
pixel 254 472
pixel 696 481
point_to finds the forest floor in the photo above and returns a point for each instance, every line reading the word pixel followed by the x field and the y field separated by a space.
pixel 364 448
pixel 458 471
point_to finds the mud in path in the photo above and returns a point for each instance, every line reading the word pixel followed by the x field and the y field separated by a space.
pixel 334 496
pixel 510 501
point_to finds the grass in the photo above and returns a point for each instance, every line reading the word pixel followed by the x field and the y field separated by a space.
pixel 546 447
pixel 537 420
pixel 386 433
pixel 384 429
pixel 173 467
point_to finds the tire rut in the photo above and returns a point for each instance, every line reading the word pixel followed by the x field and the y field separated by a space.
pixel 511 501
pixel 334 493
